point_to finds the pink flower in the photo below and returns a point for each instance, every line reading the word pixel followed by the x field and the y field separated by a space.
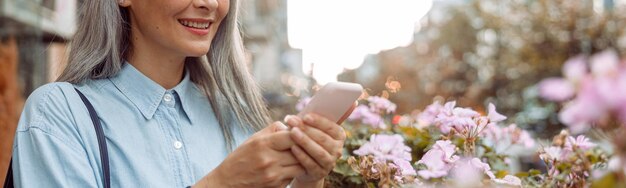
pixel 430 113
pixel 405 167
pixel 447 148
pixel 483 167
pixel 381 105
pixel 556 89
pixel 358 113
pixel 455 117
pixel 367 117
pixel 604 63
pixel 580 142
pixel 385 147
pixel 466 175
pixel 575 68
pixel 438 160
pixel 435 166
pixel 586 108
pixel 470 172
pixel 501 138
pixel 610 91
pixel 597 91
pixel 494 133
pixel 493 115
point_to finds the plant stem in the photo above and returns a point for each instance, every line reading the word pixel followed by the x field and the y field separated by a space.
pixel 469 147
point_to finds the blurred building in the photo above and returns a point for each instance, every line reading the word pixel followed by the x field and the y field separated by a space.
pixel 33 34
pixel 42 28
pixel 275 65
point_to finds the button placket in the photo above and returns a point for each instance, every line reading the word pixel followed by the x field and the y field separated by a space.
pixel 168 97
pixel 178 145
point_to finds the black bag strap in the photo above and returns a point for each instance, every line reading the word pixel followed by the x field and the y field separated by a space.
pixel 102 146
pixel 8 181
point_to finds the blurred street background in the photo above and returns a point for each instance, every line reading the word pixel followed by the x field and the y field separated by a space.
pixel 411 51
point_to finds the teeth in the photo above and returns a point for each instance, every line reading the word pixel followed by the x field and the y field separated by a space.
pixel 194 24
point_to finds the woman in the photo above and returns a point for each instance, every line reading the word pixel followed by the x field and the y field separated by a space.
pixel 174 97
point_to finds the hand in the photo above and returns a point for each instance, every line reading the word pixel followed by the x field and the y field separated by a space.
pixel 264 160
pixel 319 143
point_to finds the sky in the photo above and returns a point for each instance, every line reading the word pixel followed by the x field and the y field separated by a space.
pixel 338 34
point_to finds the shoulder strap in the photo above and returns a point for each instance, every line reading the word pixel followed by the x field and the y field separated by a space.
pixel 8 181
pixel 104 154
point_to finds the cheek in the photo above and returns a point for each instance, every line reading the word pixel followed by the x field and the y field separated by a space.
pixel 222 9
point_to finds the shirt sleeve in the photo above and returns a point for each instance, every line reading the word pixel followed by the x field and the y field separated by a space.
pixel 47 152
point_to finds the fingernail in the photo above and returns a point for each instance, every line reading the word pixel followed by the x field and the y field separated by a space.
pixel 308 118
pixel 290 119
pixel 281 127
pixel 287 117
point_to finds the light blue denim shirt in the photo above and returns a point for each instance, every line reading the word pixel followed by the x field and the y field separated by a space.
pixel 156 137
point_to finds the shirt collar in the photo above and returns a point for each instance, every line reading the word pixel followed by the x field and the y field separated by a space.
pixel 187 91
pixel 146 94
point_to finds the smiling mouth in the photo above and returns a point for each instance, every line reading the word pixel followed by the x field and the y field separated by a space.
pixel 195 24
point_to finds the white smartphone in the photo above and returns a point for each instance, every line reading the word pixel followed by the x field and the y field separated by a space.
pixel 333 100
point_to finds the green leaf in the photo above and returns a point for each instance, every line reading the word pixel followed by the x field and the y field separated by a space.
pixel 522 174
pixel 534 172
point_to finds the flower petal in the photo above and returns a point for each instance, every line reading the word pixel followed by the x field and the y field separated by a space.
pixel 493 115
pixel 556 89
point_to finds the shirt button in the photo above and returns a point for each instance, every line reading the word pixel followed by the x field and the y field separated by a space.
pixel 167 97
pixel 178 145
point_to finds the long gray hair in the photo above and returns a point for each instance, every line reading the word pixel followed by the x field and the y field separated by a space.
pixel 102 41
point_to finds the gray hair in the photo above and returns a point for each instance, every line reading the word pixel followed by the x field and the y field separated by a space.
pixel 102 41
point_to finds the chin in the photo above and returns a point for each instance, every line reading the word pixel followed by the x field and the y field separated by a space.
pixel 197 53
pixel 195 49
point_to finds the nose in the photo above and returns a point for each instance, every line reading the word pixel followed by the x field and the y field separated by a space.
pixel 206 4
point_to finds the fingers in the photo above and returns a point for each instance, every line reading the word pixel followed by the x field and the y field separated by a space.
pixel 280 141
pixel 287 158
pixel 347 114
pixel 319 154
pixel 331 145
pixel 309 164
pixel 290 172
pixel 280 127
pixel 325 125
pixel 274 127
pixel 293 121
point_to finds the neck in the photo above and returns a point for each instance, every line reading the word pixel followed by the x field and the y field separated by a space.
pixel 160 65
